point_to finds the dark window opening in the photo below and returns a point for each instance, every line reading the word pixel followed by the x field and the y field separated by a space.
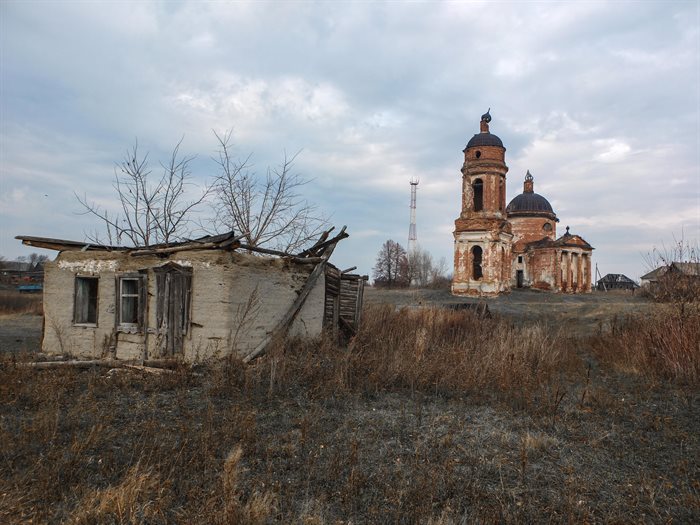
pixel 501 195
pixel 520 259
pixel 476 263
pixel 85 307
pixel 478 187
pixel 478 154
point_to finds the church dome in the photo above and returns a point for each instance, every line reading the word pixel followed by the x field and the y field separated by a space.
pixel 530 203
pixel 484 139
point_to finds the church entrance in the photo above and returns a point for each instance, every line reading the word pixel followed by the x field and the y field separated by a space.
pixel 519 277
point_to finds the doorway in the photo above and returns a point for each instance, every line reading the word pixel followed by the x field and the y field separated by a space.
pixel 519 277
pixel 173 291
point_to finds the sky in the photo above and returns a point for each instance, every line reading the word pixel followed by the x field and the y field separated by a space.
pixel 599 100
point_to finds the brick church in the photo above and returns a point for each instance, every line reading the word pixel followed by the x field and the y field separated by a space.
pixel 499 247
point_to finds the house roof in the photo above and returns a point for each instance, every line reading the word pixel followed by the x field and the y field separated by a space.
pixel 691 269
pixel 686 268
pixel 616 278
pixel 654 274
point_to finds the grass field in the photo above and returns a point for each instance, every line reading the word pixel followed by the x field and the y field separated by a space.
pixel 555 409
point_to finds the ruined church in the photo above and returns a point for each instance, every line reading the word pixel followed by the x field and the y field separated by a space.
pixel 499 247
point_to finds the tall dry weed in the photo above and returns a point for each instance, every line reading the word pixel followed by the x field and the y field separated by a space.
pixel 138 498
pixel 13 302
pixel 665 345
pixel 431 350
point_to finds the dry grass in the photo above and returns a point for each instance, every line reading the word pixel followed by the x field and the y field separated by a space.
pixel 14 302
pixel 661 346
pixel 428 417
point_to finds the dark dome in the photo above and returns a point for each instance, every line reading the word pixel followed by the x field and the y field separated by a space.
pixel 484 139
pixel 529 204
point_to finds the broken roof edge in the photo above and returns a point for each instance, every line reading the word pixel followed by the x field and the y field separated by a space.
pixel 209 241
pixel 323 247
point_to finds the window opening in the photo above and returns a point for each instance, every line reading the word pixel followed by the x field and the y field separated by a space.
pixel 476 263
pixel 478 154
pixel 520 259
pixel 478 187
pixel 85 306
pixel 131 301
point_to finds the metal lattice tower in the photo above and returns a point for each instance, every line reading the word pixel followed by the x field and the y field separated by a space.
pixel 412 235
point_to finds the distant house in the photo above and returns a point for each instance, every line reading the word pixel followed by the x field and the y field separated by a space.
pixel 198 299
pixel 616 281
pixel 21 272
pixel 686 270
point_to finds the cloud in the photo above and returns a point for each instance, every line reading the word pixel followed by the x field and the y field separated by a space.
pixel 599 100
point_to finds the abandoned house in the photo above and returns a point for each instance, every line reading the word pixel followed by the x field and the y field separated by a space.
pixel 616 281
pixel 685 271
pixel 499 247
pixel 192 300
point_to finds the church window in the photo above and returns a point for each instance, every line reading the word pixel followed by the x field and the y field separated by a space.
pixel 478 154
pixel 520 259
pixel 476 263
pixel 547 227
pixel 501 194
pixel 478 187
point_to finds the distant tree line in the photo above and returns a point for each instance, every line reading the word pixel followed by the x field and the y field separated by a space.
pixel 397 268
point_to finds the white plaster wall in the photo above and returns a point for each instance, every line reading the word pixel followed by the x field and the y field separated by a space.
pixel 229 290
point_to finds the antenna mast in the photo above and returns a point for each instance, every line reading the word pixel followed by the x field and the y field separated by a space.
pixel 412 235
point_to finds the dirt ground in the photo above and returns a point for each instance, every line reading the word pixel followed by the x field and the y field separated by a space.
pixel 20 332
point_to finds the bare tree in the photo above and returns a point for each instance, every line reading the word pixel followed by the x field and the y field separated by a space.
pixel 392 268
pixel 35 258
pixel 152 212
pixel 267 211
pixel 420 264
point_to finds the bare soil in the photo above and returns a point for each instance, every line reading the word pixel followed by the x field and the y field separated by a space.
pixel 20 333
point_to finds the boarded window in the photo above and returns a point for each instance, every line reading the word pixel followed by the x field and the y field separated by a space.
pixel 478 187
pixel 131 291
pixel 85 306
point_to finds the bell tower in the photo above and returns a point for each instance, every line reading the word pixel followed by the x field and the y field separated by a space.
pixel 482 245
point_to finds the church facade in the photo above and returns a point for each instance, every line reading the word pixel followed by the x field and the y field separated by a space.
pixel 498 247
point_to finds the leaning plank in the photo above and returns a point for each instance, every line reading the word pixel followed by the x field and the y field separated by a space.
pixel 320 241
pixel 291 314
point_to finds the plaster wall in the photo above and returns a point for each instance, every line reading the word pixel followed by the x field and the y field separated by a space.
pixel 236 301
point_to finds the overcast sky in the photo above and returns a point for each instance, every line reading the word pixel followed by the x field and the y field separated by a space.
pixel 599 100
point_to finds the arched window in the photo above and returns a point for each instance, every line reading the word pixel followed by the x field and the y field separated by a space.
pixel 547 227
pixel 476 263
pixel 478 187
